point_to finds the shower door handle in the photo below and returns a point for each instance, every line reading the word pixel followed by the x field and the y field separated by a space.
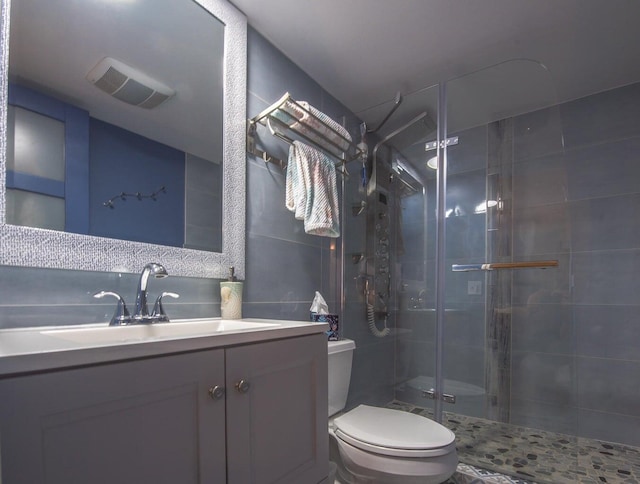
pixel 448 398
pixel 431 395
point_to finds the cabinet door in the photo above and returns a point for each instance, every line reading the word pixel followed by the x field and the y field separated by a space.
pixel 143 421
pixel 277 425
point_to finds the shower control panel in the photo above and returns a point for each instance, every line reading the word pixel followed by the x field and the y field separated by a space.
pixel 379 243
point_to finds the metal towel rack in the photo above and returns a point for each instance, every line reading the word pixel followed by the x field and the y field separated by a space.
pixel 490 266
pixel 289 120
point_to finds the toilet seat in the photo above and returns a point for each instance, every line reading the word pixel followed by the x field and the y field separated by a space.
pixel 394 433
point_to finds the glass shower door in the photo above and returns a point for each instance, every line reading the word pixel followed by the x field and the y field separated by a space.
pixel 508 357
pixel 404 198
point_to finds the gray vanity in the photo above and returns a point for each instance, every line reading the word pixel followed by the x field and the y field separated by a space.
pixel 202 401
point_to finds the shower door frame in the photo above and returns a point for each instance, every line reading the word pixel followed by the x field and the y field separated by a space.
pixel 440 272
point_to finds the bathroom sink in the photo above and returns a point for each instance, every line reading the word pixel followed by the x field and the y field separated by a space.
pixel 151 332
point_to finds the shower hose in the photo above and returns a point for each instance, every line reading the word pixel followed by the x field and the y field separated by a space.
pixel 371 318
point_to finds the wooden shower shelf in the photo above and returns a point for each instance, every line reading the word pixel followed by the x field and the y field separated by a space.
pixel 490 266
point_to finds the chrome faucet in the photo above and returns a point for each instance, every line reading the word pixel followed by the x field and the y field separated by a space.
pixel 142 310
pixel 121 316
pixel 141 316
pixel 158 313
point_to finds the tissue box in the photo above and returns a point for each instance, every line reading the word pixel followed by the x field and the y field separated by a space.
pixel 334 324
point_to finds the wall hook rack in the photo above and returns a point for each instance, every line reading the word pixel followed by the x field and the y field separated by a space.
pixel 140 196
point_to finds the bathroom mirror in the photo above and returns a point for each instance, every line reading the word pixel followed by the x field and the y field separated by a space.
pixel 191 56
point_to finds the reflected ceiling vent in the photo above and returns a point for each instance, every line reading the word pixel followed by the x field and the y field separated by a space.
pixel 128 84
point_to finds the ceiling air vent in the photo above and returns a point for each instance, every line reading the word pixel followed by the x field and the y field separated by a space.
pixel 128 84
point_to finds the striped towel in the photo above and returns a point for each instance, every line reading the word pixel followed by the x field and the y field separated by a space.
pixel 311 190
pixel 315 124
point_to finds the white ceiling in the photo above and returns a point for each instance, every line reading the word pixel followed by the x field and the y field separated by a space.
pixel 361 51
pixel 364 51
pixel 53 45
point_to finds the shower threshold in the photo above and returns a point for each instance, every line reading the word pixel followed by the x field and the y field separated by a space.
pixel 532 455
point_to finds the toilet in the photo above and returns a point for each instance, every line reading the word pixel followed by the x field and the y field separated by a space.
pixel 381 445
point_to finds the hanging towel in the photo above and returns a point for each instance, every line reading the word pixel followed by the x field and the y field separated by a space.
pixel 295 188
pixel 311 190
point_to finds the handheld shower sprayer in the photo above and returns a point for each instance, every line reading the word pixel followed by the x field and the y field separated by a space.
pixel 369 299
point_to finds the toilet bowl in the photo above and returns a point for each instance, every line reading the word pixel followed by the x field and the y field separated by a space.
pixel 381 445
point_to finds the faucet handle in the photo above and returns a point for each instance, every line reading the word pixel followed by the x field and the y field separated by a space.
pixel 158 313
pixel 121 315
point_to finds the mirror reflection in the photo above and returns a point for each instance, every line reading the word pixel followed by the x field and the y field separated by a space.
pixel 115 120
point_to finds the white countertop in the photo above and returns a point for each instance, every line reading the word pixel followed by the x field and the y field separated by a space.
pixel 37 349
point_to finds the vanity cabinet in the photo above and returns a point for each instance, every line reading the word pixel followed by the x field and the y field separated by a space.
pixel 277 427
pixel 139 421
pixel 162 419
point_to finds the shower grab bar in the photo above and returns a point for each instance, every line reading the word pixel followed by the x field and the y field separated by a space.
pixel 325 138
pixel 490 266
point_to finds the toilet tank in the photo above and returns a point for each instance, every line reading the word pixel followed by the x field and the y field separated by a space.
pixel 340 357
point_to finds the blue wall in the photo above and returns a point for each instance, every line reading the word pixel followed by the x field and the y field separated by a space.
pixel 102 161
pixel 122 161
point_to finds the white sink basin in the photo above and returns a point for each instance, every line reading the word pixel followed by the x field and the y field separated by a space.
pixel 157 331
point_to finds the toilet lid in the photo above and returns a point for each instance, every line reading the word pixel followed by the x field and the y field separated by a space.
pixel 393 432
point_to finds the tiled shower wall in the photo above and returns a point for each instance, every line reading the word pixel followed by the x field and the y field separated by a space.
pixel 372 375
pixel 574 335
pixel 576 332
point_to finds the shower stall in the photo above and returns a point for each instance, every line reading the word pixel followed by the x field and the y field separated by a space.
pixel 535 368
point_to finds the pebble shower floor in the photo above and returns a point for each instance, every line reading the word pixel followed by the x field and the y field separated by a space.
pixel 496 453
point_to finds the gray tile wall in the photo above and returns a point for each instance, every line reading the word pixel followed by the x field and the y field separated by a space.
pixel 575 336
pixel 43 297
pixel 372 377
pixel 284 266
pixel 576 328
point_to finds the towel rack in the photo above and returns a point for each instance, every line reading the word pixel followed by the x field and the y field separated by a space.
pixel 540 264
pixel 290 120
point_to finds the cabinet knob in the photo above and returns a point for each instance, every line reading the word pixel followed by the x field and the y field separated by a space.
pixel 243 386
pixel 216 392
